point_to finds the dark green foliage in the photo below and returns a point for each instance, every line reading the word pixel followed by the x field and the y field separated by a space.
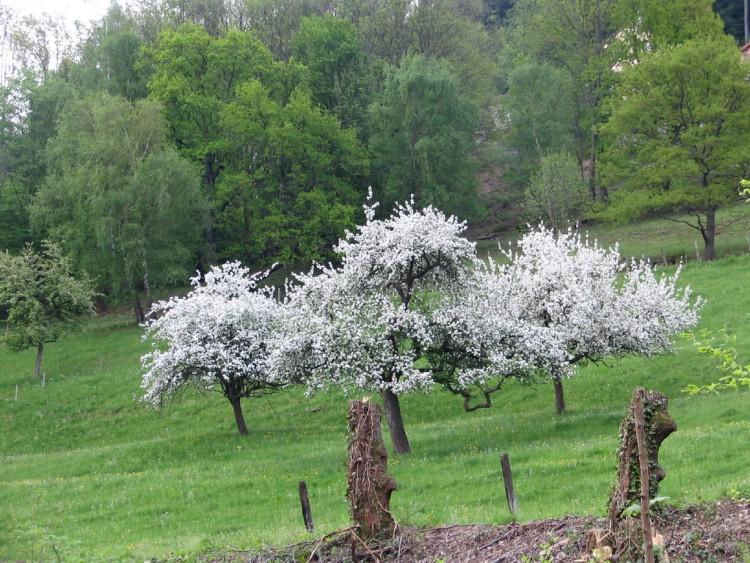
pixel 422 139
pixel 294 179
pixel 109 56
pixel 124 204
pixel 732 13
pixel 338 76
pixel 45 301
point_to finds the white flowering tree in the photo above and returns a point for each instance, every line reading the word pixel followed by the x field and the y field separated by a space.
pixel 597 305
pixel 215 338
pixel 395 316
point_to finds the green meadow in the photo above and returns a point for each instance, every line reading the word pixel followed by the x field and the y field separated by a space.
pixel 87 473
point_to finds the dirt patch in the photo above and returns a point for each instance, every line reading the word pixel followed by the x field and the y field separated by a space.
pixel 718 532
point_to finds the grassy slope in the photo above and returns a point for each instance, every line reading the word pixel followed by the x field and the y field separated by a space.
pixel 657 238
pixel 87 468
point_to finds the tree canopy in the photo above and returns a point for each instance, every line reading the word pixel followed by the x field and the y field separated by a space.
pixel 216 337
pixel 677 139
pixel 124 204
pixel 45 300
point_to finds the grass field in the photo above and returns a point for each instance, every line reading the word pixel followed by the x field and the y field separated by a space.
pixel 87 469
pixel 659 238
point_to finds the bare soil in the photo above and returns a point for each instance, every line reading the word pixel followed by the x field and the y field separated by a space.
pixel 717 532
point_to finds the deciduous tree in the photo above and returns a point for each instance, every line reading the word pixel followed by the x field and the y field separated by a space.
pixel 556 193
pixel 217 337
pixel 598 308
pixel 678 141
pixel 423 137
pixel 123 202
pixel 45 300
pixel 398 316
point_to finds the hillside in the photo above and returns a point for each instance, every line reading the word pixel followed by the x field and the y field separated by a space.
pixel 89 472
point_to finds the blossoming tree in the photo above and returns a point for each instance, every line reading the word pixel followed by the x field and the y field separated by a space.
pixel 392 317
pixel 215 338
pixel 411 306
pixel 597 305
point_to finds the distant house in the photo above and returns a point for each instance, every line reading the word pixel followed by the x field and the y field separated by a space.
pixel 746 52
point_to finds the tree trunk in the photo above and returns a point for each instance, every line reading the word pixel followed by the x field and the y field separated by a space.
pixel 146 282
pixel 395 423
pixel 559 395
pixel 140 316
pixel 39 354
pixel 369 485
pixel 658 424
pixel 709 235
pixel 238 416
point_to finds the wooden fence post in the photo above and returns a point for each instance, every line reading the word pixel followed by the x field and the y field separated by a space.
pixel 508 480
pixel 306 511
pixel 648 538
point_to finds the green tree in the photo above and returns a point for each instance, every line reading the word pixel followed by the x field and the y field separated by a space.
pixel 293 181
pixel 590 39
pixel 45 300
pixel 678 140
pixel 649 25
pixel 577 36
pixel 556 193
pixel 539 106
pixel 124 204
pixel 338 78
pixel 440 29
pixel 108 57
pixel 423 137
pixel 275 22
pixel 195 76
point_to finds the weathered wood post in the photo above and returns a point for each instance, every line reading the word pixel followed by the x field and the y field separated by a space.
pixel 369 484
pixel 508 480
pixel 306 510
pixel 658 424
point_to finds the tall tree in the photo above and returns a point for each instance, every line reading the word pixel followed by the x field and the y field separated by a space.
pixel 275 22
pixel 539 106
pixel 195 76
pixel 45 300
pixel 293 178
pixel 423 137
pixel 678 141
pixel 121 201
pixel 338 77
pixel 108 57
pixel 578 37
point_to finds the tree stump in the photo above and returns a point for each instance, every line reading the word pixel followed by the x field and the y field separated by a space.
pixel 658 424
pixel 369 484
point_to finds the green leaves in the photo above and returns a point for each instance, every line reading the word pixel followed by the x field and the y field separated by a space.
pixel 677 139
pixel 126 206
pixel 737 374
pixel 45 300
pixel 422 139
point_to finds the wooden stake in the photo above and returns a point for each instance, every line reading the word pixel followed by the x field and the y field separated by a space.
pixel 306 511
pixel 648 538
pixel 697 252
pixel 44 379
pixel 508 479
pixel 16 392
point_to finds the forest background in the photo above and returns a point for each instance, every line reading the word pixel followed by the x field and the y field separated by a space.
pixel 172 135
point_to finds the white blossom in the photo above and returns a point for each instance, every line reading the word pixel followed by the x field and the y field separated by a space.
pixel 599 306
pixel 216 337
pixel 411 306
